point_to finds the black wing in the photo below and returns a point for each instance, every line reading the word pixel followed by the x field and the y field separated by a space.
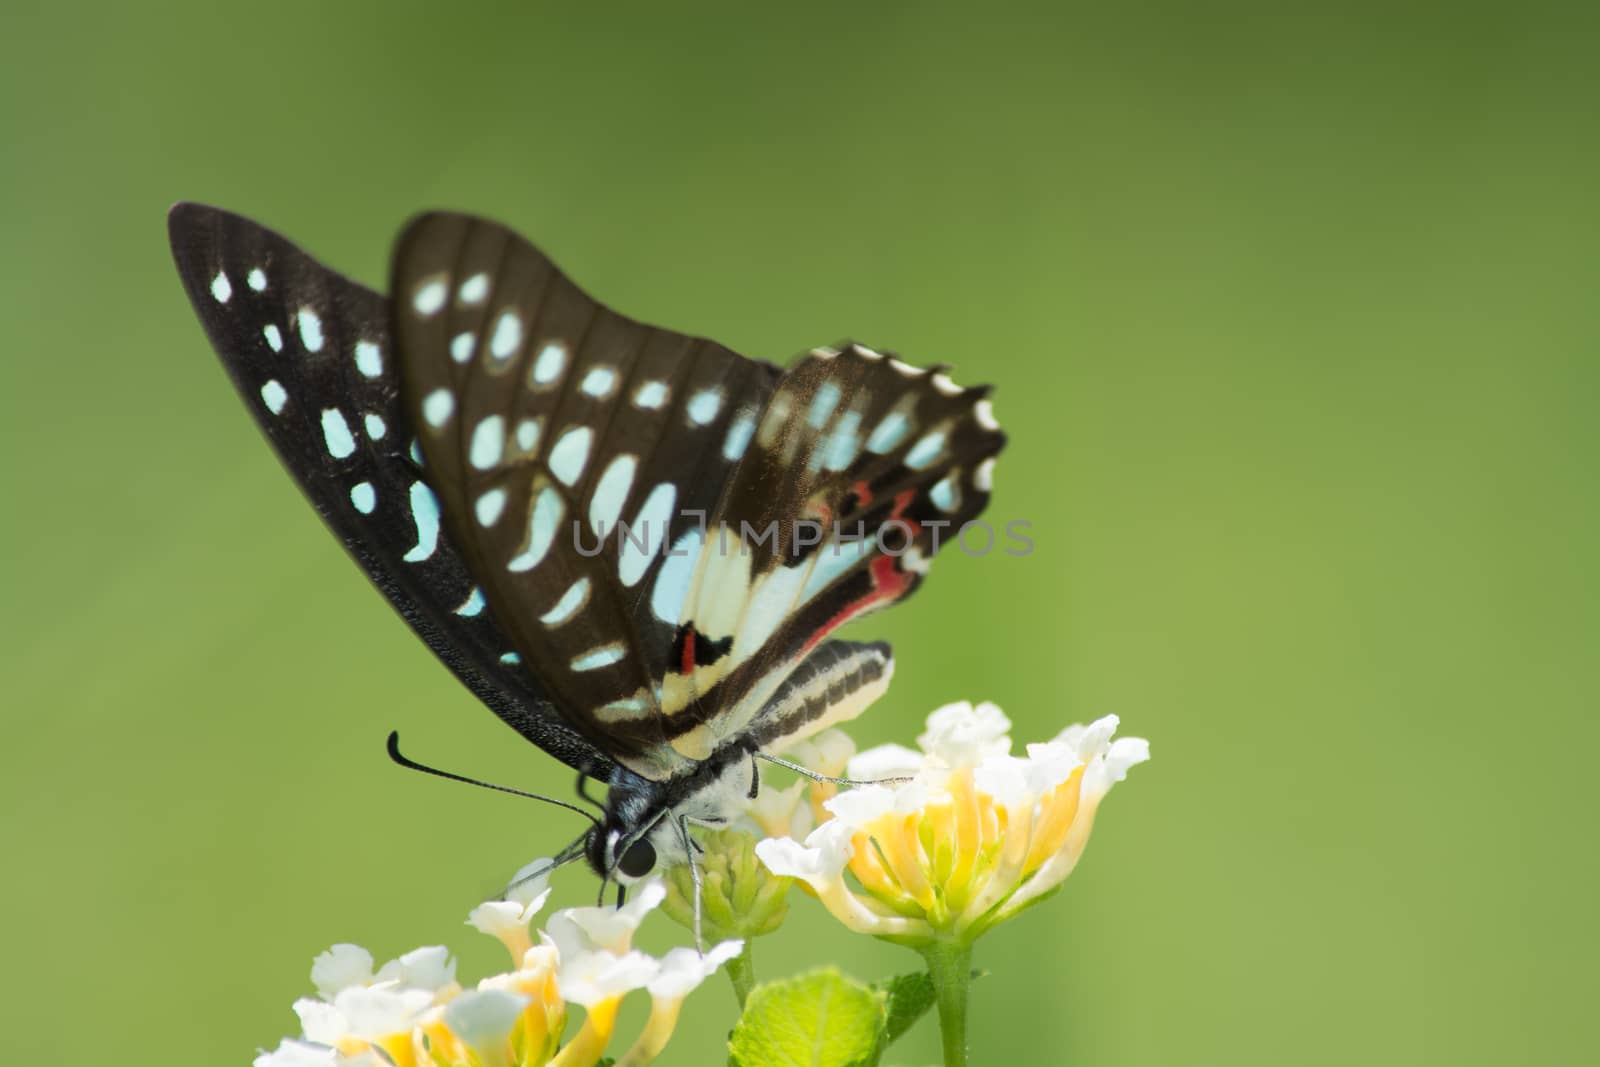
pixel 546 418
pixel 310 353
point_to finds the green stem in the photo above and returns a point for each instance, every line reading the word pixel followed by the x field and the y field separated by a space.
pixel 742 973
pixel 950 966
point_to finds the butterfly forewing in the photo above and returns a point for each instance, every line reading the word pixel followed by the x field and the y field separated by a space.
pixel 310 353
pixel 548 421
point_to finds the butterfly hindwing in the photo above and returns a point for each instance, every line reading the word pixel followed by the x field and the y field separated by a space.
pixel 309 351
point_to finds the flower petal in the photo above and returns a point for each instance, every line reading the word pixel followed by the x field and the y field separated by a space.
pixel 291 1053
pixel 682 969
pixel 961 735
pixel 429 968
pixel 341 967
pixel 483 1019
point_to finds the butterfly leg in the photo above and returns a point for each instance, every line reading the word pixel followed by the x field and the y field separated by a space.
pixel 689 846
pixel 755 778
pixel 583 793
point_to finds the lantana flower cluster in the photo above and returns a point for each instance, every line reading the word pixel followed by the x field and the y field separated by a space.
pixel 412 1012
pixel 965 834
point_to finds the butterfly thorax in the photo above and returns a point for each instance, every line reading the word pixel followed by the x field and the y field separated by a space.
pixel 645 827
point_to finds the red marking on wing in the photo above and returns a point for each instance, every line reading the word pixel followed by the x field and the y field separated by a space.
pixel 863 493
pixel 687 663
pixel 889 582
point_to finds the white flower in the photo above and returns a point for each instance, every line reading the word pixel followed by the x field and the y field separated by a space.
pixel 576 930
pixel 885 761
pixel 366 1012
pixel 508 919
pixel 826 753
pixel 484 1019
pixel 683 969
pixel 588 978
pixel 961 735
pixel 782 812
pixel 291 1053
pixel 976 835
pixel 341 967
pixel 429 968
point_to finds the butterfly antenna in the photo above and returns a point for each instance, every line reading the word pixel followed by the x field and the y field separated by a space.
pixel 412 765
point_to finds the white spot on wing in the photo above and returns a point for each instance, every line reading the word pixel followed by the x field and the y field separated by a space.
pixel 983 476
pixel 650 395
pixel 257 279
pixel 462 345
pixel 570 453
pixel 549 364
pixel 274 396
pixel 490 506
pixel 704 405
pixel 610 493
pixel 425 513
pixel 942 382
pixel 364 497
pixel 310 330
pixel 983 411
pixel 274 336
pixel 507 337
pixel 568 605
pixel 438 406
pixel 429 297
pixel 646 533
pixel 542 525
pixel 376 427
pixel 474 289
pixel 595 658
pixel 369 359
pixel 221 288
pixel 336 434
pixel 599 382
pixel 488 442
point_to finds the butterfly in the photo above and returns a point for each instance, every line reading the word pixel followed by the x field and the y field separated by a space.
pixel 629 543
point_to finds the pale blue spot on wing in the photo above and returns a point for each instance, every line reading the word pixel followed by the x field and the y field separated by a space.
pixel 843 442
pixel 646 533
pixel 364 497
pixel 473 605
pixel 672 580
pixel 376 427
pixel 943 494
pixel 336 434
pixel 510 659
pixel 221 289
pixel 462 345
pixel 739 434
pixel 310 330
pixel 425 513
pixel 528 434
pixel 430 297
pixel 474 289
pixel 488 442
pixel 489 507
pixel 274 337
pixel 822 405
pixel 704 405
pixel 599 381
pixel 274 396
pixel 650 395
pixel 595 658
pixel 438 406
pixel 569 603
pixel 369 359
pixel 542 526
pixel 550 362
pixel 925 451
pixel 570 453
pixel 507 337
pixel 257 279
pixel 610 493
pixel 888 434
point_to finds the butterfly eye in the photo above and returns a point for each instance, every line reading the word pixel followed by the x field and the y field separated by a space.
pixel 639 860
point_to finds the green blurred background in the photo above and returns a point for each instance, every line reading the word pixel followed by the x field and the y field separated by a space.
pixel 1292 316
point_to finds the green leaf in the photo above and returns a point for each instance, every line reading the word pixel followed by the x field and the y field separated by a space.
pixel 909 998
pixel 820 1019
